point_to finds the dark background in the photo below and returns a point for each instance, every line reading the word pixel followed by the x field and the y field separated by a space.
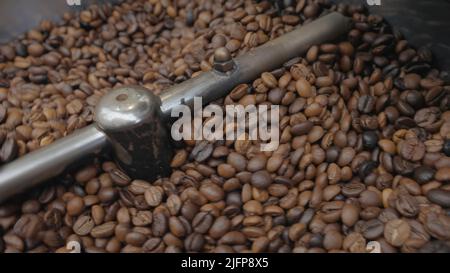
pixel 423 22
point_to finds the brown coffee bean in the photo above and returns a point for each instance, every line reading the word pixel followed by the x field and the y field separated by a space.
pixel 315 134
pixel 104 230
pixel 176 227
pixel 296 231
pixel 239 91
pixel 261 179
pixel 346 156
pixel 201 151
pixel 353 189
pixel 407 205
pixel 212 192
pixel 440 197
pixel 437 225
pixel 75 206
pixel 355 243
pixel 154 195
pixel 372 229
pixel 86 174
pixel 350 214
pixel 233 238
pixel 387 146
pixel 269 80
pixel 98 214
pixel 138 187
pixel 179 159
pixel 260 245
pixel 202 222
pixel 220 226
pixel 370 198
pixel 302 128
pixel 119 177
pixel 8 150
pixel 226 170
pixel 108 194
pixel 332 240
pixel 35 49
pixel 366 104
pixel 14 241
pixel 304 88
pixel 237 161
pixel 135 239
pixel 396 232
pixel 142 218
pixel 411 149
pixel 159 224
pixel 443 174
pixel 83 225
pixel 74 107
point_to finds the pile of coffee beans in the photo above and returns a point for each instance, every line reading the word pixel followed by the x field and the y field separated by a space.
pixel 364 152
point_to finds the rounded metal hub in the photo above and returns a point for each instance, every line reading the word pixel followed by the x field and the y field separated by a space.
pixel 125 107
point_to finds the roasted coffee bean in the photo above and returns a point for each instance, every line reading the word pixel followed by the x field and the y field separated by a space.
pixel 159 224
pixel 75 206
pixel 370 140
pixel 437 225
pixel 423 174
pixel 108 194
pixel 396 232
pixel 261 179
pixel 369 198
pixel 366 168
pixel 366 104
pixel 402 166
pixel 212 192
pixel 407 205
pixel 142 218
pixel 333 240
pixel 440 197
pixel 83 225
pixel 355 243
pixel 202 222
pixel 119 177
pixel 202 151
pixel 103 231
pixel 443 174
pixel 302 128
pixel 353 189
pixel 8 150
pixel 153 195
pixel 153 245
pixel 372 229
pixel 350 214
pixel 194 242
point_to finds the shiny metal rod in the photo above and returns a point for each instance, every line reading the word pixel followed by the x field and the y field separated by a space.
pixel 48 161
pixel 138 133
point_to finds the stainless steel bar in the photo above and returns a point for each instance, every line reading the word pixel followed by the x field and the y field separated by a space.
pixel 213 84
pixel 49 161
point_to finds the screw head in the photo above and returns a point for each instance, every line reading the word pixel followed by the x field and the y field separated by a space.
pixel 223 61
pixel 221 55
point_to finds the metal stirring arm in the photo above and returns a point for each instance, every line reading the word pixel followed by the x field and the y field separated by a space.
pixel 140 143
